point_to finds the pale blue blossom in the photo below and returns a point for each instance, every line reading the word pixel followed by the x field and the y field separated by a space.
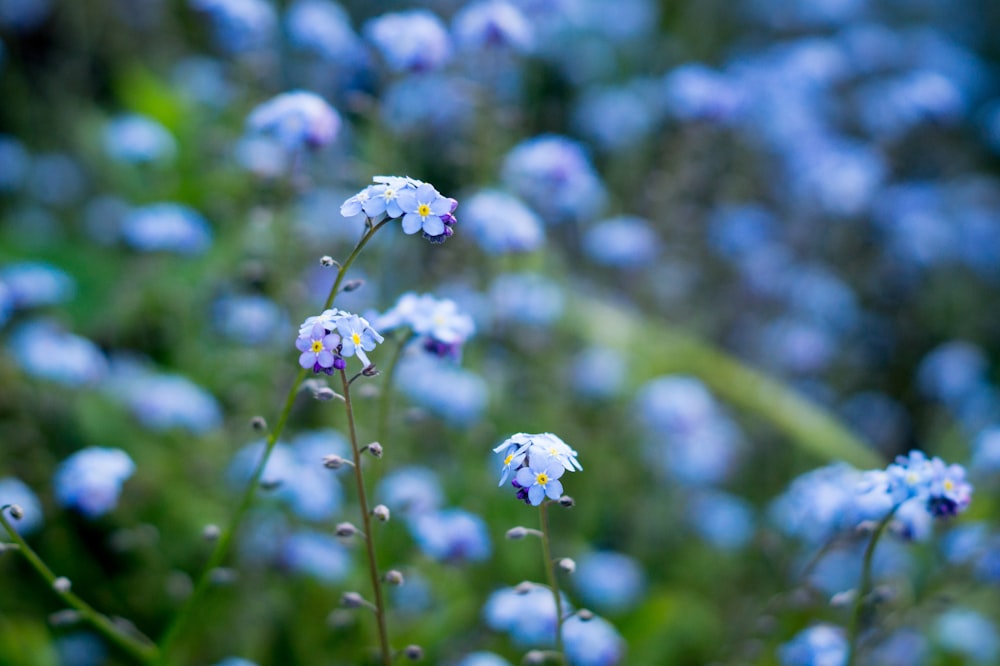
pixel 91 480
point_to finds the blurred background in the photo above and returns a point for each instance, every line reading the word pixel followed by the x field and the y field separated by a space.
pixel 732 252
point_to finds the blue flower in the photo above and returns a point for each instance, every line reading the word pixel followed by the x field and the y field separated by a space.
pixel 411 490
pixel 43 350
pixel 15 491
pixel 942 487
pixel 541 480
pixel 297 118
pixel 592 642
pixel 820 644
pixel 319 350
pixel 617 118
pixel 422 210
pixel 167 227
pixel 695 92
pixel 439 326
pixel 502 223
pixel 537 461
pixel 626 242
pixel 324 28
pixel 236 661
pixel 723 520
pixel 493 24
pixel 91 480
pixel 451 535
pixel 414 40
pixel 162 401
pixel 14 163
pixel 966 632
pixel 526 299
pixel 36 284
pixel 249 319
pixel 609 581
pixel 357 337
pixel 316 554
pixel 456 395
pixel 527 613
pixel 440 105
pixel 239 26
pixel 138 139
pixel 483 659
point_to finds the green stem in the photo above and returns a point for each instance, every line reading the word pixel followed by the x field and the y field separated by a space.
pixel 183 616
pixel 550 573
pixel 142 650
pixel 383 633
pixel 854 630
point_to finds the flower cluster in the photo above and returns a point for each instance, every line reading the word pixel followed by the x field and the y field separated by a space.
pixel 943 487
pixel 537 463
pixel 421 207
pixel 438 324
pixel 326 339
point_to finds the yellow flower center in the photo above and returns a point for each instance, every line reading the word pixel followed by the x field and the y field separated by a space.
pixel 316 347
pixel 423 210
pixel 510 456
pixel 542 478
pixel 356 338
pixel 949 484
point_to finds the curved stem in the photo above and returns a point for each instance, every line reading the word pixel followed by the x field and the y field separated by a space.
pixel 183 616
pixel 141 649
pixel 550 573
pixel 383 633
pixel 854 630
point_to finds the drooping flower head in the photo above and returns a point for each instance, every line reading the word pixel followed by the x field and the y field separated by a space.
pixel 537 463
pixel 421 207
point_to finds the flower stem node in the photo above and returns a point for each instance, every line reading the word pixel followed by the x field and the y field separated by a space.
pixel 16 512
pixel 567 565
pixel 258 423
pixel 374 448
pixel 210 532
pixel 567 502
pixel 335 462
pixel 393 577
pixel 64 617
pixel 413 652
pixel 345 530
pixel 61 584
pixel 381 512
pixel 352 285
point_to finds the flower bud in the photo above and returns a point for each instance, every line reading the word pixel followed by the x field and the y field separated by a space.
pixel 567 501
pixel 381 512
pixel 258 423
pixel 328 261
pixel 567 565
pixel 335 462
pixel 61 584
pixel 370 371
pixel 345 530
pixel 352 600
pixel 585 615
pixel 16 512
pixel 64 618
pixel 352 285
pixel 843 599
pixel 325 394
pixel 393 577
pixel 524 587
pixel 516 533
pixel 413 652
pixel 534 658
pixel 210 532
pixel 375 449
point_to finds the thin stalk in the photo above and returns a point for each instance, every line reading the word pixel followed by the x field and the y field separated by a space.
pixel 183 616
pixel 383 633
pixel 854 630
pixel 550 573
pixel 142 650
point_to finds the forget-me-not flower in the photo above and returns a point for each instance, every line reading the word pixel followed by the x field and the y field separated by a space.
pixel 537 463
pixel 357 337
pixel 297 118
pixel 90 480
pixel 319 350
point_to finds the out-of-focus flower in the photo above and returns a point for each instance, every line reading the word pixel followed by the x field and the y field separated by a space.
pixel 627 242
pixel 440 328
pixel 161 401
pixel 526 299
pixel 942 487
pixel 91 480
pixel 235 661
pixel 951 371
pixel 435 104
pixel 56 179
pixel 204 81
pixel 81 648
pixel 821 644
pixel 492 24
pixel 316 554
pixel 501 223
pixel 456 395
pixel 610 582
pixel 526 613
pixel 411 490
pixel 986 451
pixel 43 350
pixel 239 26
pixel 598 372
pixel 14 163
pixel 323 27
pixel 249 319
pixel 553 174
pixel 166 227
pixel 617 118
pixel 36 284
pixel 483 659
pixel 414 40
pixel 297 118
pixel 592 642
pixel 137 139
pixel 695 92
pixel 723 520
pixel 965 632
pixel 15 491
pixel 451 535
